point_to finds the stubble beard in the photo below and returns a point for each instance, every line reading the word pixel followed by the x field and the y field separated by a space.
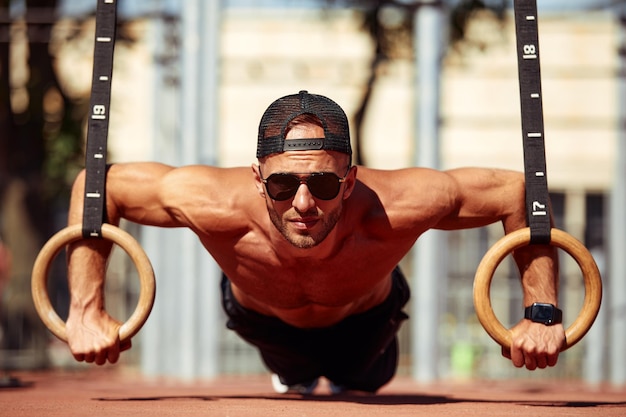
pixel 305 239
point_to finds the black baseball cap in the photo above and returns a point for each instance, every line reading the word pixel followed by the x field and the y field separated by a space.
pixel 272 133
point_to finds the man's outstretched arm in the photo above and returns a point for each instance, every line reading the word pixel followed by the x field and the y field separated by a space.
pixel 132 191
pixel 484 196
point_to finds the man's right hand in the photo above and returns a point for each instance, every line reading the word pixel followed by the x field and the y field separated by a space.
pixel 94 337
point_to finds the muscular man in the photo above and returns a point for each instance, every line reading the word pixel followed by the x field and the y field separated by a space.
pixel 309 247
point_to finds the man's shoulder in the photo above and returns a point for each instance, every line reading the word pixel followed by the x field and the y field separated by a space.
pixel 207 177
pixel 367 174
pixel 398 185
pixel 408 200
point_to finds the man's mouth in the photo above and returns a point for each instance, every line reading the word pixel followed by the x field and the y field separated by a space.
pixel 305 222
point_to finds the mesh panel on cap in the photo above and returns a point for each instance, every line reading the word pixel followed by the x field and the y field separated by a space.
pixel 278 115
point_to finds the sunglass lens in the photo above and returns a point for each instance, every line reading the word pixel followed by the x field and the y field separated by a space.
pixel 324 186
pixel 281 187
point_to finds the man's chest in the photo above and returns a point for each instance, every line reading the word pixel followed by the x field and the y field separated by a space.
pixel 335 281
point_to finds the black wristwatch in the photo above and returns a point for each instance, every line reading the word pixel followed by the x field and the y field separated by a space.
pixel 544 313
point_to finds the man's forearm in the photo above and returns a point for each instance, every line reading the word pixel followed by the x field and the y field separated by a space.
pixel 86 273
pixel 86 259
pixel 538 266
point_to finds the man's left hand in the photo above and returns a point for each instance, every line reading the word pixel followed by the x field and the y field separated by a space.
pixel 535 345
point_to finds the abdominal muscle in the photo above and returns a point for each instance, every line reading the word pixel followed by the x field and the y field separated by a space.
pixel 315 314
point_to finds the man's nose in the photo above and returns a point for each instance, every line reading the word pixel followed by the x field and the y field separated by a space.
pixel 303 200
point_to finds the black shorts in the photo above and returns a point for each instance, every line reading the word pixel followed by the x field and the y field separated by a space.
pixel 360 352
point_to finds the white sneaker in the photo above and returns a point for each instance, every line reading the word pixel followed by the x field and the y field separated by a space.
pixel 336 389
pixel 306 388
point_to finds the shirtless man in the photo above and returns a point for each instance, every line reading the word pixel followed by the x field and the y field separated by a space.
pixel 309 247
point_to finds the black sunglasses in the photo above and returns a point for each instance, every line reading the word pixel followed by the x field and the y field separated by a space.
pixel 323 185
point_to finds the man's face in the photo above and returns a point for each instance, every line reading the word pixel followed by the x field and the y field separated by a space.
pixel 304 219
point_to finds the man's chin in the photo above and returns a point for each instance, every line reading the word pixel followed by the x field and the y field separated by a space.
pixel 301 241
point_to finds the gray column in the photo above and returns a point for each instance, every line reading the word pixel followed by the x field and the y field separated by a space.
pixel 427 270
pixel 181 336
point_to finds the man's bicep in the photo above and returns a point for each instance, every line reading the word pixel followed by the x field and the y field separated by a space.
pixel 484 196
pixel 135 192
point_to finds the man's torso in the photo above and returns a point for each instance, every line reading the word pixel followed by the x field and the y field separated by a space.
pixel 312 287
pixel 309 291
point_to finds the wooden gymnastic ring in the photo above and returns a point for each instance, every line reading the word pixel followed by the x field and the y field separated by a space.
pixel 517 239
pixel 74 233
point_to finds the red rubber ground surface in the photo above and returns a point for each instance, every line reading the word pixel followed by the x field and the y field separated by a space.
pixel 113 392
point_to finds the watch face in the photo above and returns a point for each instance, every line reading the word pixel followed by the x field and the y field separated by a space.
pixel 542 313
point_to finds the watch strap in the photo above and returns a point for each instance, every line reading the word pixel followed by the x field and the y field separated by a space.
pixel 537 313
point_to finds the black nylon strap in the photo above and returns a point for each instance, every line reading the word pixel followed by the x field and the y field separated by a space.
pixel 98 125
pixel 529 73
